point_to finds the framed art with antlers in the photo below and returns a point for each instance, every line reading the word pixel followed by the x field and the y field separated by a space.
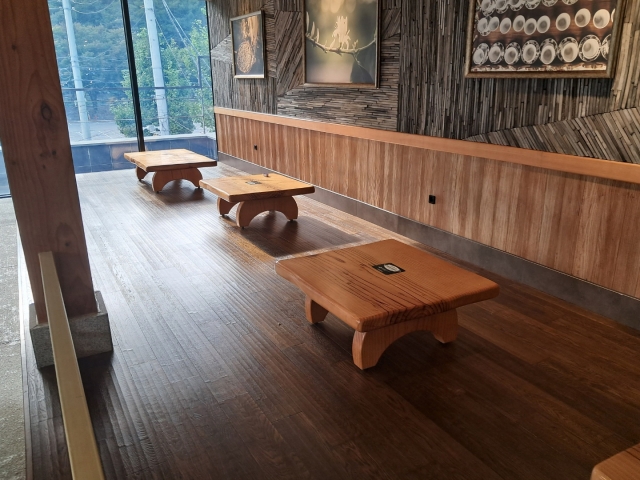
pixel 341 43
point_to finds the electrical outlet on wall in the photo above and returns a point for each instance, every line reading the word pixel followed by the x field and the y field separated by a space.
pixel 432 199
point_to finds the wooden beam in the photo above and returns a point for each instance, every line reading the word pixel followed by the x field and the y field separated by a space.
pixel 37 153
pixel 624 172
pixel 78 430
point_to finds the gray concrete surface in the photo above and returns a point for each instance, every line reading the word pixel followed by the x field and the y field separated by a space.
pixel 12 435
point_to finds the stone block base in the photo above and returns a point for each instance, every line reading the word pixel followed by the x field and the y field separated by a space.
pixel 91 334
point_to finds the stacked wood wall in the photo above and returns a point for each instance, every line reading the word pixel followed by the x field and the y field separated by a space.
pixel 423 89
pixel 281 91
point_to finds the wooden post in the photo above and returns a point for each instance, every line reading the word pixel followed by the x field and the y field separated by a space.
pixel 37 153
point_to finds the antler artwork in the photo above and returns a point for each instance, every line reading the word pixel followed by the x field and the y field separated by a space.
pixel 340 37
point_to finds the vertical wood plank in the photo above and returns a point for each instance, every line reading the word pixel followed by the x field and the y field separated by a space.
pixel 37 153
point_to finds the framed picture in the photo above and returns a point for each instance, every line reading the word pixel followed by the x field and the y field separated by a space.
pixel 341 43
pixel 247 40
pixel 543 38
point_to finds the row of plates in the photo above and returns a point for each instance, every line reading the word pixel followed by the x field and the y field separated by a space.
pixel 487 7
pixel 567 51
pixel 582 18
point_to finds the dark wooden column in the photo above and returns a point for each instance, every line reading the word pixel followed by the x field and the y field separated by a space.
pixel 37 153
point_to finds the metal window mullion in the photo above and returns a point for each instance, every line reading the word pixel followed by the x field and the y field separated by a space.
pixel 133 75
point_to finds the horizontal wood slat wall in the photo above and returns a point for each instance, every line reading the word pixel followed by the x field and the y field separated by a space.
pixel 582 226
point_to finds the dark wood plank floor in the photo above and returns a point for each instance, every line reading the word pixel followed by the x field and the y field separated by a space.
pixel 216 373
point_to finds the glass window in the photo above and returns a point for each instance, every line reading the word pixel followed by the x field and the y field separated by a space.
pixel 4 184
pixel 92 62
pixel 174 78
pixel 171 44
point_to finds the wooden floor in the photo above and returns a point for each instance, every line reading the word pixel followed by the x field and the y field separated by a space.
pixel 216 373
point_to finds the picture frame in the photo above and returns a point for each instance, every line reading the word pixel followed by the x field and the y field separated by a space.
pixel 543 38
pixel 248 45
pixel 325 62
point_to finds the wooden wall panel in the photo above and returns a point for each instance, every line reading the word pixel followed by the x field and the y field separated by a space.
pixel 582 226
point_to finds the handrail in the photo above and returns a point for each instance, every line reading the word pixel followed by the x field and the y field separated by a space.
pixel 81 441
pixel 609 169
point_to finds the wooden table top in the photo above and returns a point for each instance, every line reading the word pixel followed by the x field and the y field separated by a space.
pixel 345 283
pixel 255 187
pixel 623 466
pixel 155 161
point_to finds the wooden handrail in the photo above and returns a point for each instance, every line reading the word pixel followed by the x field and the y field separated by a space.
pixel 609 169
pixel 78 430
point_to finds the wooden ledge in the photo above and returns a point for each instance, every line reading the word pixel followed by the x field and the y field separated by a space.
pixel 608 169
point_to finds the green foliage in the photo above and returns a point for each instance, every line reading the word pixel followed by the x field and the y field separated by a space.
pixel 180 102
pixel 104 66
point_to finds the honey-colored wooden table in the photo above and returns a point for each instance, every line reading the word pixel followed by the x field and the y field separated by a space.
pixel 256 194
pixel 623 466
pixel 168 165
pixel 385 290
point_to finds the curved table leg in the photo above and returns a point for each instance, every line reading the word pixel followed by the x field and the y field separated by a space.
pixel 224 207
pixel 247 210
pixel 315 313
pixel 368 347
pixel 161 178
pixel 140 173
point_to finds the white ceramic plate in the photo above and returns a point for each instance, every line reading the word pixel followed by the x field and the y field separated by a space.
pixel 604 50
pixel 505 25
pixel 530 26
pixel 512 53
pixel 548 51
pixel 530 52
pixel 601 18
pixel 494 23
pixel 481 54
pixel 589 48
pixel 543 24
pixel 568 50
pixel 496 53
pixel 487 7
pixel 531 4
pixel 563 22
pixel 483 27
pixel 518 23
pixel 502 6
pixel 583 17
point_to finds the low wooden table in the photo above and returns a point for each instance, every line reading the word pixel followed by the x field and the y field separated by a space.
pixel 169 165
pixel 256 194
pixel 623 466
pixel 385 290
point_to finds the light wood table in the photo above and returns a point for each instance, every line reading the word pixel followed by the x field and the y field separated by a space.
pixel 256 194
pixel 623 466
pixel 168 165
pixel 417 292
